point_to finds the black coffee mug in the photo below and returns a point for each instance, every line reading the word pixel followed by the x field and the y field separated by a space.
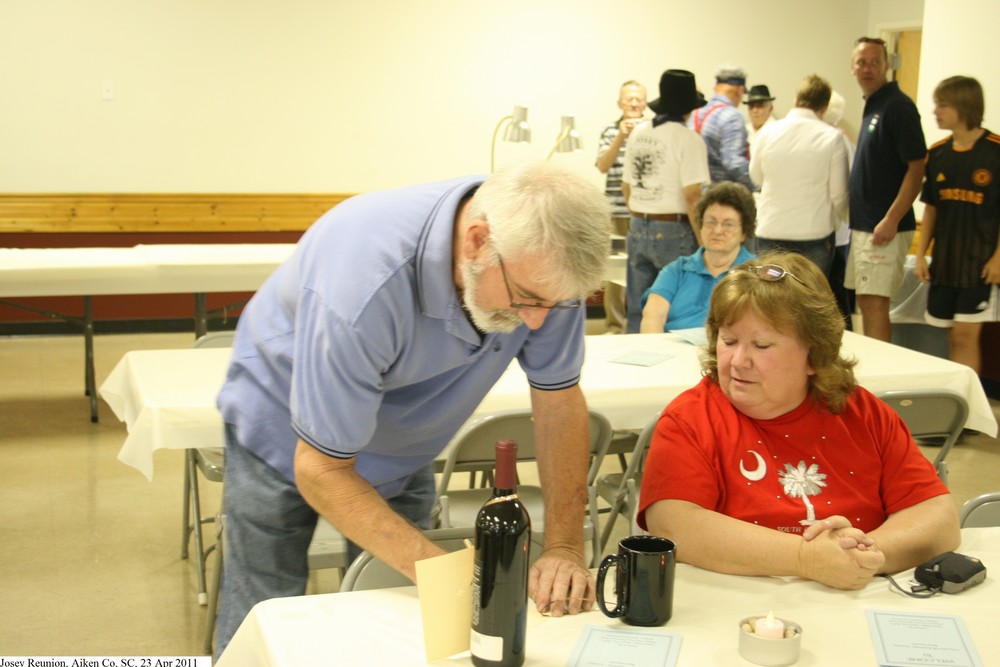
pixel 644 582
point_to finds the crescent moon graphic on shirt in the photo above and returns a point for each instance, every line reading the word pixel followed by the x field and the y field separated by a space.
pixel 757 474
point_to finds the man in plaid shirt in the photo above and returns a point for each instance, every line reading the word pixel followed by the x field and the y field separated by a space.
pixel 723 128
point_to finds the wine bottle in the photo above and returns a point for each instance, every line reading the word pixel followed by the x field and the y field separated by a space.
pixel 500 574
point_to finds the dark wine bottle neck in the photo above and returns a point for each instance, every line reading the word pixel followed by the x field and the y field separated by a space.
pixel 505 475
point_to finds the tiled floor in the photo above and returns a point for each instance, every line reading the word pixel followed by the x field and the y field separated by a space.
pixel 89 550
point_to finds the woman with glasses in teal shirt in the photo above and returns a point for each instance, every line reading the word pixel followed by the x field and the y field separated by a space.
pixel 679 297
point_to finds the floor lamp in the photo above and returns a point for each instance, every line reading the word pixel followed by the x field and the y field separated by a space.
pixel 569 138
pixel 516 130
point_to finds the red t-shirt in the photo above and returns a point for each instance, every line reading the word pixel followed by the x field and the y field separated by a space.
pixel 783 472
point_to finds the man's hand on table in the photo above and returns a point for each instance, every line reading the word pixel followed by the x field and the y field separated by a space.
pixel 560 583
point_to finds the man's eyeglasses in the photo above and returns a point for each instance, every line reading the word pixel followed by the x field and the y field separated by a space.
pixel 770 273
pixel 558 305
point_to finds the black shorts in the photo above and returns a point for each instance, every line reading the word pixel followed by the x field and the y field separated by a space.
pixel 947 305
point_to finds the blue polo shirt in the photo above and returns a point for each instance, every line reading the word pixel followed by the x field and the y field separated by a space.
pixel 890 137
pixel 359 345
pixel 687 285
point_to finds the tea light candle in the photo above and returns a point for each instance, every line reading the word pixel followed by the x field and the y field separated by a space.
pixel 769 627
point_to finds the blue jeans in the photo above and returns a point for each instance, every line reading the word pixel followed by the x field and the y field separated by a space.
pixel 820 251
pixel 268 530
pixel 652 245
pixel 845 297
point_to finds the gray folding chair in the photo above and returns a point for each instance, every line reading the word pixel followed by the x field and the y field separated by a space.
pixel 934 416
pixel 328 549
pixel 614 488
pixel 474 445
pixel 622 443
pixel 980 512
pixel 209 461
pixel 367 572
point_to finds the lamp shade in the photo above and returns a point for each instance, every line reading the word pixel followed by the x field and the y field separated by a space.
pixel 569 138
pixel 517 130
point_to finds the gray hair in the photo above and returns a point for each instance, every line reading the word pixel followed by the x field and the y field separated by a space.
pixel 835 111
pixel 730 71
pixel 540 210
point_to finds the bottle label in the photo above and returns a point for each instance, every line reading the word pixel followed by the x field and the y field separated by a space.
pixel 477 587
pixel 500 499
pixel 486 647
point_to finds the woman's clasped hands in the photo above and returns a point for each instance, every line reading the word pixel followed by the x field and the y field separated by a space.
pixel 837 554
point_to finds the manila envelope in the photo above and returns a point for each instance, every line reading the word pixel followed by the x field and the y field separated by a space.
pixel 444 585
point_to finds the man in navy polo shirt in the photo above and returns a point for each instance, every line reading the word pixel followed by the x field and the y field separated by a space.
pixel 361 356
pixel 887 174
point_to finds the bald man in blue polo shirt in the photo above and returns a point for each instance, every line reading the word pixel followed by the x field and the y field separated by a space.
pixel 361 357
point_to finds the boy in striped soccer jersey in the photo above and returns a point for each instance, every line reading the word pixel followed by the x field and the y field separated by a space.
pixel 962 216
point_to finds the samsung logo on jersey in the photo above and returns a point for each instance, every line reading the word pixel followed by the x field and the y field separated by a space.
pixel 959 194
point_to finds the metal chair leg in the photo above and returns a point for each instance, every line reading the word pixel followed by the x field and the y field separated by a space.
pixel 189 477
pixel 213 598
pixel 199 545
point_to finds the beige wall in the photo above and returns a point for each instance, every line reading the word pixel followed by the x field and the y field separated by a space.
pixel 324 96
pixel 958 36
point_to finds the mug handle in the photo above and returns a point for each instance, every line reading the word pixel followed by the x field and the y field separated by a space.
pixel 606 564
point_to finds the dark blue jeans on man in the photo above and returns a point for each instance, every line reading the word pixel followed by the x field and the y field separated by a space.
pixel 651 245
pixel 820 251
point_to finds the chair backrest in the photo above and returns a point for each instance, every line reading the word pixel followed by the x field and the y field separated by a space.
pixel 215 339
pixel 475 443
pixel 631 479
pixel 621 490
pixel 638 461
pixel 931 413
pixel 980 512
pixel 368 572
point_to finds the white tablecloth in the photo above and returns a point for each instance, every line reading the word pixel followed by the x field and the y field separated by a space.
pixel 167 397
pixel 910 300
pixel 383 627
pixel 142 269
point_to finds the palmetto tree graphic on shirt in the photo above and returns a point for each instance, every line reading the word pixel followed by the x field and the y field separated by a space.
pixel 801 482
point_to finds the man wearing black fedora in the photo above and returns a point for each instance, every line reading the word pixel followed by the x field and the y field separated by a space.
pixel 665 168
pixel 760 108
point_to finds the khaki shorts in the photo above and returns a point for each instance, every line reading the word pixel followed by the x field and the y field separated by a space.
pixel 876 270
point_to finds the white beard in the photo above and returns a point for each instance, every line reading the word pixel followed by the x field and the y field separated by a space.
pixel 499 320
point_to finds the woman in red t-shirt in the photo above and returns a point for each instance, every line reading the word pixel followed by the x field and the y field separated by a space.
pixel 778 463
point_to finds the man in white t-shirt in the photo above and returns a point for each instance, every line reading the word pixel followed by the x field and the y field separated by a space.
pixel 665 168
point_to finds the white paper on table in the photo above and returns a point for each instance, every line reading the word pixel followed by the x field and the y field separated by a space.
pixel 603 647
pixel 695 336
pixel 444 585
pixel 640 358
pixel 902 639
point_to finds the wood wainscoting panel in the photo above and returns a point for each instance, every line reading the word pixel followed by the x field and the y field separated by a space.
pixel 163 212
